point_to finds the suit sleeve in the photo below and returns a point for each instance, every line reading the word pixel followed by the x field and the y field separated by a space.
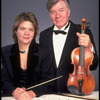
pixel 95 58
pixel 6 82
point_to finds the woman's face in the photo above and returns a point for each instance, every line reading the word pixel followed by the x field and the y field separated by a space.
pixel 25 32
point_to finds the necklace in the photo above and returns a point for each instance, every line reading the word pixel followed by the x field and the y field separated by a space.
pixel 23 51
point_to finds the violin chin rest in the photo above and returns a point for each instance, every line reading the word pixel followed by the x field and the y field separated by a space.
pixel 74 90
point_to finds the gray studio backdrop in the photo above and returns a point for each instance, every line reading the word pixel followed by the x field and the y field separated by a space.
pixel 79 9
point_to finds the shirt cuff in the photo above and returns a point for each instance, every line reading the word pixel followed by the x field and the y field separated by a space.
pixel 92 49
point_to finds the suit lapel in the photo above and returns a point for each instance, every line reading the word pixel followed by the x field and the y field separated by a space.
pixel 51 45
pixel 68 44
pixel 33 55
pixel 14 59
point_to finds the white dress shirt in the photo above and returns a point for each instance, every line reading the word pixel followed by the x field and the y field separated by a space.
pixel 58 43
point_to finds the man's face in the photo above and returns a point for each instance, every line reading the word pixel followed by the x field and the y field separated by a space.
pixel 59 14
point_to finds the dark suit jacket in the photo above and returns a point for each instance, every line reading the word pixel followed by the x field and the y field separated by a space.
pixel 65 67
pixel 39 69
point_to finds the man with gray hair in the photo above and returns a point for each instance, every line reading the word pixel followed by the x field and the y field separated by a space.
pixel 62 38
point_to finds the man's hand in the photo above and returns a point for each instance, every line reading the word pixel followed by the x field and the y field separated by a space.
pixel 84 40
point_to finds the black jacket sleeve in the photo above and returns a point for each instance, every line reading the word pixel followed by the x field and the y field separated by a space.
pixel 6 81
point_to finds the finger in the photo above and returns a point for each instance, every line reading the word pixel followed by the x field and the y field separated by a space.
pixel 21 89
pixel 18 91
pixel 24 96
pixel 78 34
pixel 24 88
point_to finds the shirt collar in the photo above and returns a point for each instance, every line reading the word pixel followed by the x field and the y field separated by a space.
pixel 56 28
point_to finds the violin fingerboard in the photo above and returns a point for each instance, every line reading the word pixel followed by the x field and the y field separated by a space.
pixel 81 56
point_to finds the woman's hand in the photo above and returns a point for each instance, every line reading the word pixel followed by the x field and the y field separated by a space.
pixel 26 95
pixel 17 92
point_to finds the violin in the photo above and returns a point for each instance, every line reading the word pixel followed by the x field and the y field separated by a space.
pixel 81 82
